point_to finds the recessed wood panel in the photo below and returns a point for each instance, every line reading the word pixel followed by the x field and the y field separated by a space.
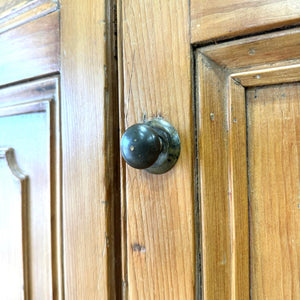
pixel 274 159
pixel 30 50
pixel 13 228
pixel 223 76
pixel 30 125
pixel 220 19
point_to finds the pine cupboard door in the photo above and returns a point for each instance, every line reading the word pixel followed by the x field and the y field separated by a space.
pixel 224 222
pixel 57 170
pixel 247 94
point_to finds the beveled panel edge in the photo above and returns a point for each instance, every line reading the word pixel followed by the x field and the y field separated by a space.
pixel 214 210
pixel 255 50
pixel 268 75
pixel 238 190
pixel 30 91
pixel 26 12
pixel 25 108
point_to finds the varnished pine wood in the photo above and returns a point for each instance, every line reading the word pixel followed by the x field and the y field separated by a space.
pixel 158 210
pixel 13 13
pixel 90 188
pixel 220 88
pixel 252 51
pixel 9 8
pixel 215 19
pixel 30 50
pixel 29 121
pixel 238 191
pixel 273 143
pixel 213 181
pixel 267 75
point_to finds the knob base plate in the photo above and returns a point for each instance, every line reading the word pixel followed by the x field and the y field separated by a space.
pixel 170 146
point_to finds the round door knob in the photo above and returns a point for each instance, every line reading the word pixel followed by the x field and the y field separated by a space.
pixel 140 146
pixel 154 146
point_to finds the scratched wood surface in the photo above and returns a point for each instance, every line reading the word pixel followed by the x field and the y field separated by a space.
pixel 274 159
pixel 158 217
pixel 221 19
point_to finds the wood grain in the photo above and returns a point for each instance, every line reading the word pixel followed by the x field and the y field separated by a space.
pixel 26 53
pixel 215 19
pixel 213 180
pixel 261 49
pixel 158 210
pixel 13 228
pixel 273 139
pixel 14 13
pixel 221 131
pixel 30 125
pixel 238 191
pixel 90 188
pixel 269 74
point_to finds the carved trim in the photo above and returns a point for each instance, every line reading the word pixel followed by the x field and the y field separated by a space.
pixel 28 108
pixel 8 155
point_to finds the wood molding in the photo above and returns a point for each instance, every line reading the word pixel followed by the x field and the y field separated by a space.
pixel 38 101
pixel 222 79
pixel 14 13
pixel 14 205
pixel 261 49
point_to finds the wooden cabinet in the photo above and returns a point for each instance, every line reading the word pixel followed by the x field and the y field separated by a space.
pixel 76 222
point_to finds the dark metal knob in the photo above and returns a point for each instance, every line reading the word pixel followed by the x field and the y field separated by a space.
pixel 154 146
pixel 140 146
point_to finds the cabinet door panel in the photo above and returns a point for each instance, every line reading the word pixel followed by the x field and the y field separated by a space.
pixel 248 128
pixel 31 129
pixel 13 228
pixel 274 161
